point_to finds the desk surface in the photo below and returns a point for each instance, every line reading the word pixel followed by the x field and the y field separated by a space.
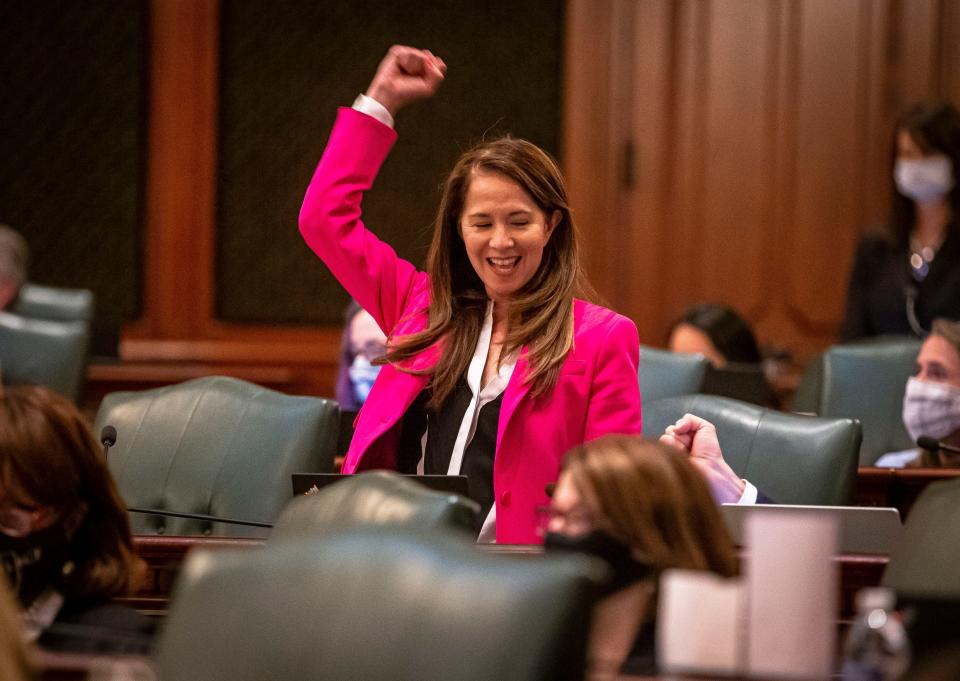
pixel 164 556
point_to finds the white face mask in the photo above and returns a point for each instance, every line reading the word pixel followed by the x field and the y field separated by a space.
pixel 931 409
pixel 924 179
pixel 362 376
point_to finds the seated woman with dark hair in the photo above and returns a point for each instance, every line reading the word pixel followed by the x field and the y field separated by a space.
pixel 643 508
pixel 65 541
pixel 717 332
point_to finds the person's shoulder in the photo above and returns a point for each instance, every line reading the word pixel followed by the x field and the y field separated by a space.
pixel 591 319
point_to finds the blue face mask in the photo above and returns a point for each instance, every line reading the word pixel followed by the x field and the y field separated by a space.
pixel 362 376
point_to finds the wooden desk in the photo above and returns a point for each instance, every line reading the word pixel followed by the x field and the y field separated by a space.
pixel 897 487
pixel 164 556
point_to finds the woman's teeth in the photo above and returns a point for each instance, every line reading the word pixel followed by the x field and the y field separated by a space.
pixel 504 264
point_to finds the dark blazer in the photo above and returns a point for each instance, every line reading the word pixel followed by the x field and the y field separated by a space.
pixel 876 297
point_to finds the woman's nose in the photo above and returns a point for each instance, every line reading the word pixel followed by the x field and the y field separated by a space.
pixel 501 238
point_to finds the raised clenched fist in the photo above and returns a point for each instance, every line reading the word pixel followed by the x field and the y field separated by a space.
pixel 405 75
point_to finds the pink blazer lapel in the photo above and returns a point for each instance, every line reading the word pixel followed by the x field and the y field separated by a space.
pixel 515 391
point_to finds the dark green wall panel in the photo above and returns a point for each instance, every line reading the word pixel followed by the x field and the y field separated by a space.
pixel 286 66
pixel 72 90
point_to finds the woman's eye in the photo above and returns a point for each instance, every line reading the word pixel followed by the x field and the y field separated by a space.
pixel 482 225
pixel 520 223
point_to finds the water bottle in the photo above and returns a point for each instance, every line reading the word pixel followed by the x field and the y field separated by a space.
pixel 877 647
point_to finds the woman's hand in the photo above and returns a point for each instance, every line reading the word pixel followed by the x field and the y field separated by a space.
pixel 405 75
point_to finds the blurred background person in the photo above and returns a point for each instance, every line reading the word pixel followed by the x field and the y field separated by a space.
pixel 737 367
pixel 905 278
pixel 363 342
pixel 717 332
pixel 643 508
pixel 14 259
pixel 65 542
pixel 931 403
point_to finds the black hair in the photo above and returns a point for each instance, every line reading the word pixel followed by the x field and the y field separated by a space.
pixel 729 333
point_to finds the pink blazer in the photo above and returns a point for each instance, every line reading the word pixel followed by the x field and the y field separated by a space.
pixel 597 392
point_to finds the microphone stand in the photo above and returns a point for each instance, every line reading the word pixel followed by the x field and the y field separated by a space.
pixel 108 437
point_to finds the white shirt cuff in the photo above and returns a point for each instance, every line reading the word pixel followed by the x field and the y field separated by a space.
pixel 373 108
pixel 749 496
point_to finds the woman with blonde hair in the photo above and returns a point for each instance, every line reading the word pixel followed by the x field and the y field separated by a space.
pixel 643 508
pixel 494 366
pixel 65 542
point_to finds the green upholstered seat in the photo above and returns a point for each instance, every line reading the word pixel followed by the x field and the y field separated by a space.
pixel 667 374
pixel 374 498
pixel 377 604
pixel 792 459
pixel 50 302
pixel 926 563
pixel 214 446
pixel 43 352
pixel 863 381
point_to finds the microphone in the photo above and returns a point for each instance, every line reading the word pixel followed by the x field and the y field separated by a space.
pixel 932 445
pixel 108 438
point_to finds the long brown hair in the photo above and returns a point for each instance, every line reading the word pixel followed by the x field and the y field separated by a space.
pixel 540 314
pixel 48 451
pixel 651 498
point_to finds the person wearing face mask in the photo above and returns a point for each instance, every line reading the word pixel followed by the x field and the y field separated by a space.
pixel 495 365
pixel 65 543
pixel 905 278
pixel 643 508
pixel 363 343
pixel 931 403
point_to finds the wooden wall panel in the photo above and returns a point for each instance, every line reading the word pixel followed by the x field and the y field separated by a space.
pixel 737 192
pixel 651 127
pixel 829 170
pixel 729 150
pixel 762 132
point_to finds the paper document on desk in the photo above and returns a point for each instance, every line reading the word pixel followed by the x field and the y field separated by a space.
pixel 699 622
pixel 792 594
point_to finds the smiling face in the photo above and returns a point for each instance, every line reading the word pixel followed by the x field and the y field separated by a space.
pixel 504 232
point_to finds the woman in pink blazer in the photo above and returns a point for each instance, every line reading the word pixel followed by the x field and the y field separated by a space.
pixel 494 368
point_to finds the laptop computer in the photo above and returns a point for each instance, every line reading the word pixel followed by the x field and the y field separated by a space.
pixel 305 482
pixel 863 529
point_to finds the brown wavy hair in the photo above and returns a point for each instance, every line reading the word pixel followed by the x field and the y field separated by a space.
pixel 540 316
pixel 48 451
pixel 651 498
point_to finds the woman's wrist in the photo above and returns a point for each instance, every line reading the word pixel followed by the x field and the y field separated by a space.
pixel 383 98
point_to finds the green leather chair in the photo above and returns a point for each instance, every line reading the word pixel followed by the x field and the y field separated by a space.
pixel 863 381
pixel 926 563
pixel 792 459
pixel 375 498
pixel 214 446
pixel 50 302
pixel 43 352
pixel 377 604
pixel 667 374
